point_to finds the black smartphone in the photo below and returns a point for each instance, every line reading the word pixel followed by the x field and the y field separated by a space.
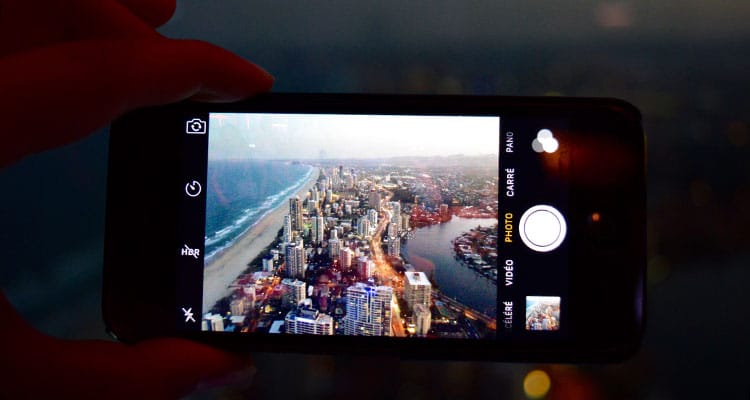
pixel 452 227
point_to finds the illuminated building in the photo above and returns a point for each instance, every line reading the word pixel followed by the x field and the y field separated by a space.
pixel 334 246
pixel 396 209
pixel 294 291
pixel 392 230
pixel 372 215
pixel 363 227
pixel 295 212
pixel 374 200
pixel 368 310
pixel 394 246
pixel 318 227
pixel 345 258
pixel 308 321
pixel 295 259
pixel 422 319
pixel 287 232
pixel 417 289
pixel 365 267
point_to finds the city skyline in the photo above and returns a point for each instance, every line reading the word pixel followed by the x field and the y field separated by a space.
pixel 334 136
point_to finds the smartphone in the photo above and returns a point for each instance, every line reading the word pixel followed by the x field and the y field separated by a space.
pixel 443 227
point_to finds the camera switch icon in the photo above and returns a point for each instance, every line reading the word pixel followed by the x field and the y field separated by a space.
pixel 195 126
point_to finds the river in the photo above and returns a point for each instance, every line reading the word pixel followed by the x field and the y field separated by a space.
pixel 430 251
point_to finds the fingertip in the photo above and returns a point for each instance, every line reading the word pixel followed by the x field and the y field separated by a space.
pixel 154 12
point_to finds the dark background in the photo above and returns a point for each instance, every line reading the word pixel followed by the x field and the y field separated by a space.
pixel 683 63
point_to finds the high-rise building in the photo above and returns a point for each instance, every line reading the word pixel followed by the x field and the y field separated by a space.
pixel 363 227
pixel 417 289
pixel 345 258
pixel 372 215
pixel 368 310
pixel 295 259
pixel 396 222
pixel 287 229
pixel 392 230
pixel 394 246
pixel 365 267
pixel 334 245
pixel 329 196
pixel 374 200
pixel 294 292
pixel 395 209
pixel 318 229
pixel 422 319
pixel 295 212
pixel 308 321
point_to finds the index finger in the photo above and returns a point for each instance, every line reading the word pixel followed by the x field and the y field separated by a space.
pixel 59 94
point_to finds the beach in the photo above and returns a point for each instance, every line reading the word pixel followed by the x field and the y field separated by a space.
pixel 231 262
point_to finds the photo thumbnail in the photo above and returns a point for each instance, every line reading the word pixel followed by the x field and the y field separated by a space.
pixel 542 313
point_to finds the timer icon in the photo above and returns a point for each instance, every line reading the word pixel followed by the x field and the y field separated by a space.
pixel 193 188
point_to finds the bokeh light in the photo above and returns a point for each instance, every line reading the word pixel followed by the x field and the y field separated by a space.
pixel 536 384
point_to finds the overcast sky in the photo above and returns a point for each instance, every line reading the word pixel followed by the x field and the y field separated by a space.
pixel 299 136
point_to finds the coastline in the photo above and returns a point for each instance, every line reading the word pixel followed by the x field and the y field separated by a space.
pixel 226 266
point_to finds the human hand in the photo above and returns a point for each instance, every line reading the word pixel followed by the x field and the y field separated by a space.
pixel 66 69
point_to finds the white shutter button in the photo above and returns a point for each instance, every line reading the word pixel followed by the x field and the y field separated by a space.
pixel 542 228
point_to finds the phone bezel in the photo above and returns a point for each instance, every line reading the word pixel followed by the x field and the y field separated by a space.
pixel 136 308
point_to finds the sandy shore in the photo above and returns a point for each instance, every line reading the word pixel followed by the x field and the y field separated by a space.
pixel 225 268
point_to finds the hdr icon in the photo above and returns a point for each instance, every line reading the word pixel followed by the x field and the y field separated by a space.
pixel 187 251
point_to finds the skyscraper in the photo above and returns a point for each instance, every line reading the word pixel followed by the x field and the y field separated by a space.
pixel 396 209
pixel 417 289
pixel 363 227
pixel 345 258
pixel 368 310
pixel 318 226
pixel 365 267
pixel 334 245
pixel 394 246
pixel 372 215
pixel 287 230
pixel 295 259
pixel 295 212
pixel 374 200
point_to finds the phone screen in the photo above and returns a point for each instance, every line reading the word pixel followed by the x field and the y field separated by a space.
pixel 406 226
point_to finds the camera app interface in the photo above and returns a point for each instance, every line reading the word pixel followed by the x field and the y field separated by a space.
pixel 371 225
pixel 377 225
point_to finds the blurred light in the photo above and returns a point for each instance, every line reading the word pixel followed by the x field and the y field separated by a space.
pixel 613 15
pixel 596 217
pixel 536 384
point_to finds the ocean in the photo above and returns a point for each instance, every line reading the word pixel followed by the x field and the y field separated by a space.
pixel 241 192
